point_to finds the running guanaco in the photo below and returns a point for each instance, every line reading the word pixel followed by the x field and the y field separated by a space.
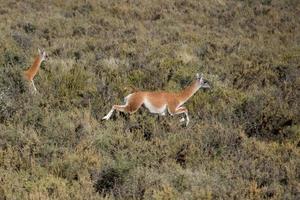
pixel 160 102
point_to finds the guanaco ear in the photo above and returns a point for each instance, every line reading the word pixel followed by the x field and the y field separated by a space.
pixel 199 77
pixel 40 52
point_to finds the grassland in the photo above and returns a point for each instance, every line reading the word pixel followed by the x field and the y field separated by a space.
pixel 244 136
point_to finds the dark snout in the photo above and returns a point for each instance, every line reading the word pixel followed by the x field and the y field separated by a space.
pixel 206 85
pixel 46 57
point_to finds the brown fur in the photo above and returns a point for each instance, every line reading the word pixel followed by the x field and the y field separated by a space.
pixel 33 70
pixel 158 102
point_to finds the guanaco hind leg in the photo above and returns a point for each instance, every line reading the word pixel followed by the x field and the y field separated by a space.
pixel 35 90
pixel 115 107
pixel 122 108
pixel 131 106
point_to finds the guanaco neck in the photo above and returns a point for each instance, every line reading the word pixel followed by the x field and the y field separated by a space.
pixel 188 92
pixel 31 72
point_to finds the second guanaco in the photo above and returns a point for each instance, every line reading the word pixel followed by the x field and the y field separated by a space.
pixel 31 72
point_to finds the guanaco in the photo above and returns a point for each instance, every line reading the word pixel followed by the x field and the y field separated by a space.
pixel 159 101
pixel 30 73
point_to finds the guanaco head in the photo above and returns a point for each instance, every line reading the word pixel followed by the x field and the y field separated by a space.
pixel 201 81
pixel 42 54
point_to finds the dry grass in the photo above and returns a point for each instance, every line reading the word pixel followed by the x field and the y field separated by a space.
pixel 244 136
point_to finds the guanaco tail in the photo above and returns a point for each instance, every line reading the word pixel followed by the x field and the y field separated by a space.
pixel 160 102
pixel 30 73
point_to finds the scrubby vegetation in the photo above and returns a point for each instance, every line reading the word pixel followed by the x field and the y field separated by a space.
pixel 244 136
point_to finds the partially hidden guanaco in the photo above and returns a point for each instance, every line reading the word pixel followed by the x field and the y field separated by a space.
pixel 31 72
pixel 160 101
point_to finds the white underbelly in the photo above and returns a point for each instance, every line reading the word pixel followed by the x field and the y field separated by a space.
pixel 154 109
